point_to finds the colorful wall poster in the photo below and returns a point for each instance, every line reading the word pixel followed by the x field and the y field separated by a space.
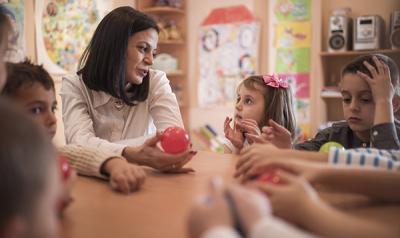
pixel 228 52
pixel 299 84
pixel 292 10
pixel 293 35
pixel 64 29
pixel 293 60
pixel 14 9
pixel 290 23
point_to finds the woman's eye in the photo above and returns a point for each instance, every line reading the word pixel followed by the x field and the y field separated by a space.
pixel 54 109
pixel 142 49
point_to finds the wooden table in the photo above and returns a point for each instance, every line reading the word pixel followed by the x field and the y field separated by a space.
pixel 160 208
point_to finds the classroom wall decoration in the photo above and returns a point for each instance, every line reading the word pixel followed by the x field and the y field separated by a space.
pixel 14 9
pixel 64 29
pixel 228 52
pixel 291 26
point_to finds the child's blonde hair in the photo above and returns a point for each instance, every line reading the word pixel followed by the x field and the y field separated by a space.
pixel 278 102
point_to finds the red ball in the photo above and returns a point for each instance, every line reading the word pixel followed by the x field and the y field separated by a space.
pixel 174 140
pixel 64 167
pixel 269 177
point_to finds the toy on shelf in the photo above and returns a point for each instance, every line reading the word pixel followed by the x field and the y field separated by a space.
pixel 169 31
pixel 169 3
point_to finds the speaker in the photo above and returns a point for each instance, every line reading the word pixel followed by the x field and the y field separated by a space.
pixel 369 33
pixel 394 37
pixel 340 33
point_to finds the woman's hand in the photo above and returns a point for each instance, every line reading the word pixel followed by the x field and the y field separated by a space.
pixel 150 155
pixel 234 135
pixel 124 177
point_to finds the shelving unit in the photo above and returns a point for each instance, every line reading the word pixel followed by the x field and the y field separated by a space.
pixel 176 48
pixel 327 106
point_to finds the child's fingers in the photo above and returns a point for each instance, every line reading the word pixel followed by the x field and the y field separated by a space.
pixel 276 126
pixel 267 130
pixel 364 76
pixel 265 188
pixel 386 70
pixel 371 69
pixel 378 64
pixel 287 177
pixel 256 138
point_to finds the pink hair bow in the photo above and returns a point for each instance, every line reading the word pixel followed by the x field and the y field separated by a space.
pixel 275 81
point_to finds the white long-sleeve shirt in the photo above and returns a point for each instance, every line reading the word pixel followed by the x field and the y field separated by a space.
pixel 96 119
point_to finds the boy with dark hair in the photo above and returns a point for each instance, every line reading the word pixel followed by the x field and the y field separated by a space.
pixel 30 182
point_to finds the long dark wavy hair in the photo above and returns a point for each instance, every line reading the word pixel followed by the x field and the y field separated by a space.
pixel 103 63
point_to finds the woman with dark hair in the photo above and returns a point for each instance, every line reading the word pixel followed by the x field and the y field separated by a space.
pixel 115 95
pixel 5 28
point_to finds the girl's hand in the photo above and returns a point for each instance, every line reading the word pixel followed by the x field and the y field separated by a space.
pixel 150 155
pixel 124 177
pixel 235 135
pixel 380 83
pixel 290 200
pixel 251 129
pixel 277 135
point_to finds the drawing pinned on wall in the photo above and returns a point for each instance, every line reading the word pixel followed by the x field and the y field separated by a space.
pixel 292 10
pixel 228 52
pixel 64 29
pixel 293 60
pixel 299 84
pixel 293 35
pixel 290 23
pixel 14 10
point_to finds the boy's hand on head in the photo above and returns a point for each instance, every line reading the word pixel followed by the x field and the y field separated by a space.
pixel 234 135
pixel 124 177
pixel 291 200
pixel 380 83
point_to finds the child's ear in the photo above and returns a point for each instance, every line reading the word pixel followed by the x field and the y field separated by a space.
pixel 396 103
pixel 15 227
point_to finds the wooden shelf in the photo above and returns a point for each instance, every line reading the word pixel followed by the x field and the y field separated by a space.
pixel 168 10
pixel 176 48
pixel 171 42
pixel 356 53
pixel 175 73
